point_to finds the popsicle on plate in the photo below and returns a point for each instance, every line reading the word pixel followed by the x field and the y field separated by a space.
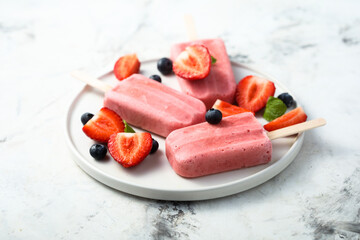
pixel 152 106
pixel 238 141
pixel 219 84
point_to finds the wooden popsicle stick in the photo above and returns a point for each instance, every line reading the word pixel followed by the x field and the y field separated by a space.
pixel 190 27
pixel 94 82
pixel 298 128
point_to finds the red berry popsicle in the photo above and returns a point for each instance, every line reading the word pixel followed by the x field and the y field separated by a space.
pixel 238 141
pixel 230 143
pixel 148 104
pixel 219 84
pixel 152 106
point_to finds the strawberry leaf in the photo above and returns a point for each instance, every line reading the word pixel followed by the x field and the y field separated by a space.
pixel 128 129
pixel 213 60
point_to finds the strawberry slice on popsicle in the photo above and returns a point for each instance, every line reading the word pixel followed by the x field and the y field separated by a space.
pixel 219 84
pixel 193 63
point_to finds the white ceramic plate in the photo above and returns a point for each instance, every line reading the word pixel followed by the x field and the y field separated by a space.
pixel 154 177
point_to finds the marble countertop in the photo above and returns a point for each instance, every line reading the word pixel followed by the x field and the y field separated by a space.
pixel 313 47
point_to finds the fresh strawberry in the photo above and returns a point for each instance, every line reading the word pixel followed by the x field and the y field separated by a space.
pixel 193 63
pixel 101 126
pixel 228 109
pixel 126 66
pixel 253 92
pixel 129 149
pixel 291 118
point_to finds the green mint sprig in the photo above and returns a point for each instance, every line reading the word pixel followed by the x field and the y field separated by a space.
pixel 274 109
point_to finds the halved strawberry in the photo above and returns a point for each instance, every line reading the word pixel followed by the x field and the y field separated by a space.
pixel 291 118
pixel 101 126
pixel 228 109
pixel 253 92
pixel 126 66
pixel 193 63
pixel 129 149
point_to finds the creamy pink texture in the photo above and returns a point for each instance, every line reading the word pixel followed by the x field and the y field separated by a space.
pixel 238 141
pixel 219 84
pixel 152 106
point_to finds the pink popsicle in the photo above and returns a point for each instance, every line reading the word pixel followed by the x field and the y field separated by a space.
pixel 219 84
pixel 238 141
pixel 152 106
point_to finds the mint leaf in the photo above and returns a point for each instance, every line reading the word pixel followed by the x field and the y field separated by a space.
pixel 213 60
pixel 128 129
pixel 274 109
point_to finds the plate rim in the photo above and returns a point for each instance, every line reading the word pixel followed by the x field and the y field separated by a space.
pixel 203 193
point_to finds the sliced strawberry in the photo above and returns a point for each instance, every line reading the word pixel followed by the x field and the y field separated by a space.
pixel 291 118
pixel 129 149
pixel 253 92
pixel 193 63
pixel 126 66
pixel 228 109
pixel 105 123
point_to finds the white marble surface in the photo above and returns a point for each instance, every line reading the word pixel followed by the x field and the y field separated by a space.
pixel 313 47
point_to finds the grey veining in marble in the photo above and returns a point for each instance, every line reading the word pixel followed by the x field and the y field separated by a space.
pixel 313 47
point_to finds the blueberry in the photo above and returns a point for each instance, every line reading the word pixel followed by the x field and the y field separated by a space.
pixel 287 99
pixel 156 78
pixel 98 151
pixel 213 116
pixel 155 146
pixel 165 65
pixel 86 117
